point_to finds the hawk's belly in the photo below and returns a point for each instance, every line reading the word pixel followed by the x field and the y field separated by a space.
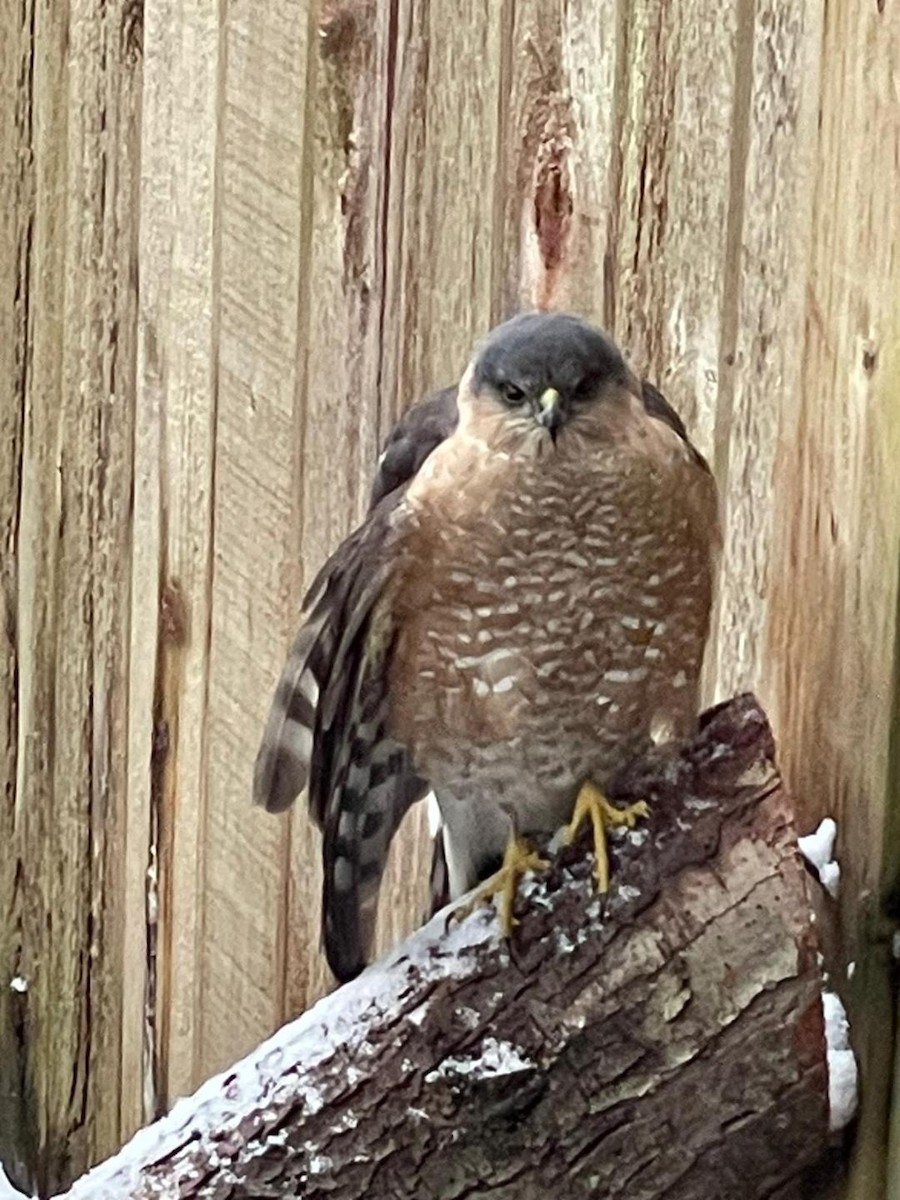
pixel 545 637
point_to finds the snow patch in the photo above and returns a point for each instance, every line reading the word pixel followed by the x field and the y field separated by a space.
pixel 434 814
pixel 418 1015
pixel 496 1058
pixel 564 943
pixel 468 1016
pixel 559 840
pixel 818 850
pixel 842 1070
pixel 830 877
pixel 697 804
pixel 532 890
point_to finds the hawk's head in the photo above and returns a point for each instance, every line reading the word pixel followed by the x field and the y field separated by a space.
pixel 547 368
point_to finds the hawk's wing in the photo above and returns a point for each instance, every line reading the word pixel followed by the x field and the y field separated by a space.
pixel 658 406
pixel 327 726
pixel 416 434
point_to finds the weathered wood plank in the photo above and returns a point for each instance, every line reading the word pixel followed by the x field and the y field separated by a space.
pixel 679 108
pixel 763 326
pixel 174 479
pixel 37 604
pixel 831 638
pixel 264 239
pixel 536 260
pixel 18 1133
pixel 441 218
pixel 73 224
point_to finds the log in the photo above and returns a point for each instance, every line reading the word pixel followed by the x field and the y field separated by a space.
pixel 666 1041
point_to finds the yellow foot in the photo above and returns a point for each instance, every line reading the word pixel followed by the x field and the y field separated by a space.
pixel 592 801
pixel 517 859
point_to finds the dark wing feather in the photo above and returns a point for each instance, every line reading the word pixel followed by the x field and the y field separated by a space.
pixel 438 879
pixel 658 406
pixel 413 438
pixel 327 729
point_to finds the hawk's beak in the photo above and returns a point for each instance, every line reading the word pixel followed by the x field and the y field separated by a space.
pixel 549 413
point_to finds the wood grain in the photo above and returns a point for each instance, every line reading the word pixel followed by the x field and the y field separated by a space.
pixel 831 637
pixel 263 237
pixel 19 1136
pixel 237 240
pixel 174 483
pixel 70 171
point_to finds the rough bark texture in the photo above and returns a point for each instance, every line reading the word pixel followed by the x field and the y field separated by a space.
pixel 667 1042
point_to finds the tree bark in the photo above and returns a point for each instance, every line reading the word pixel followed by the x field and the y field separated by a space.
pixel 666 1041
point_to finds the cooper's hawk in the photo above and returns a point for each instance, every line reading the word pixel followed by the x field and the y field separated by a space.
pixel 525 604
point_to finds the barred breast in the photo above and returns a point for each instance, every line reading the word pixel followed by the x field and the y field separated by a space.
pixel 554 616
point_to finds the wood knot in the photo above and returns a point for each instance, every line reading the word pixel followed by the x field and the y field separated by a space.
pixel 869 359
pixel 553 204
pixel 161 743
pixel 174 614
pixel 132 31
pixel 343 24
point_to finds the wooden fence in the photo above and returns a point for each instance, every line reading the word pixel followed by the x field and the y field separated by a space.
pixel 236 239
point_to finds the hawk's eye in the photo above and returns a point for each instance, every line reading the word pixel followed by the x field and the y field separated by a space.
pixel 583 389
pixel 511 394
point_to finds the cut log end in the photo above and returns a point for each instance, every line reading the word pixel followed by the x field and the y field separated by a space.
pixel 664 1041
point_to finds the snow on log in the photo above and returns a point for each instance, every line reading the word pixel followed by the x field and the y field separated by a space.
pixel 667 1041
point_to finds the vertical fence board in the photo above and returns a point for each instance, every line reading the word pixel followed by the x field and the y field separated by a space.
pixel 594 67
pixel 174 451
pixel 73 236
pixel 18 1134
pixel 832 628
pixel 533 168
pixel 440 217
pixel 765 289
pixel 678 137
pixel 101 384
pixel 54 949
pixel 263 242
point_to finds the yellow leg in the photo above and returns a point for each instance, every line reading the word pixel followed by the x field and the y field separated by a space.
pixel 517 859
pixel 591 801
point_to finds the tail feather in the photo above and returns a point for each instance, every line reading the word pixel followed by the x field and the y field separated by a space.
pixel 327 733
pixel 283 762
pixel 439 879
pixel 376 787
